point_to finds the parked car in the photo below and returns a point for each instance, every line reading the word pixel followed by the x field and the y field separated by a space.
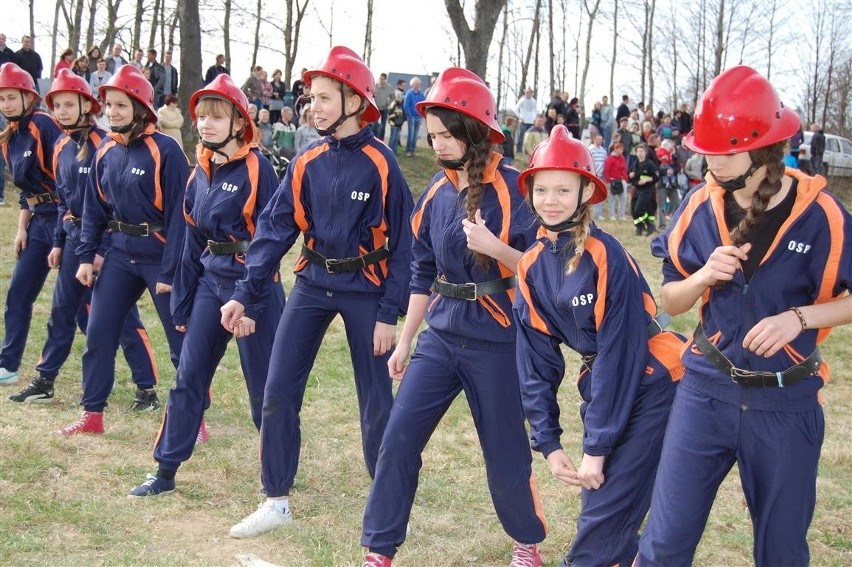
pixel 837 157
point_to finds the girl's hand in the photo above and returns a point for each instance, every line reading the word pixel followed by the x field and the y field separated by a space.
pixel 398 361
pixel 590 474
pixel 163 288
pixel 98 263
pixel 85 275
pixel 772 333
pixel 54 258
pixel 384 336
pixel 479 238
pixel 723 263
pixel 180 328
pixel 562 468
pixel 231 313
pixel 244 327
pixel 20 243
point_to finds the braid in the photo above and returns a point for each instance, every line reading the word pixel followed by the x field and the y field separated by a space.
pixel 771 157
pixel 581 233
pixel 83 152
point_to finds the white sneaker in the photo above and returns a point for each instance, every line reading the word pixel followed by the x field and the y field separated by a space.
pixel 7 378
pixel 266 518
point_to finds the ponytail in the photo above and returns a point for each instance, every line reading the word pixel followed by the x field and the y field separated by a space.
pixel 581 233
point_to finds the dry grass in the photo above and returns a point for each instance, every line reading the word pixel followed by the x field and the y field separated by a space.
pixel 64 500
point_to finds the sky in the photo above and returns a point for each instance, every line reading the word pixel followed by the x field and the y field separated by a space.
pixel 396 46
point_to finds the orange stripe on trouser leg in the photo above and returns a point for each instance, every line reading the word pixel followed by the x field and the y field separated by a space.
pixel 143 334
pixel 539 510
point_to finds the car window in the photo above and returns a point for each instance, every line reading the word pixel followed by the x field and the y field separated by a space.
pixel 832 145
pixel 846 145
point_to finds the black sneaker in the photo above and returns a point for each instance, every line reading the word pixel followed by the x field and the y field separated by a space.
pixel 153 486
pixel 40 391
pixel 146 400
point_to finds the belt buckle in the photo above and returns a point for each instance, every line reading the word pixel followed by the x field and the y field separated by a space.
pixel 147 229
pixel 742 374
pixel 468 291
pixel 331 264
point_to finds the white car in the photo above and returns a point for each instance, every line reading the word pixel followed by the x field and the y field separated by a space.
pixel 837 158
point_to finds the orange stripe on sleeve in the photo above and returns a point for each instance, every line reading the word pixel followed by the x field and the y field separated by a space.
pixel 253 167
pixel 40 150
pixel 57 149
pixel 155 155
pixel 599 256
pixel 505 201
pixel 299 214
pixel 678 231
pixel 417 217
pixel 379 232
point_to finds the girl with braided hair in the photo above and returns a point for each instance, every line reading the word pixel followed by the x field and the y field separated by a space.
pixel 470 227
pixel 579 287
pixel 768 252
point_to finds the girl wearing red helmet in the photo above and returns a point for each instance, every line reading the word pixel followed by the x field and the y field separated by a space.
pixel 769 253
pixel 470 227
pixel 27 144
pixel 229 187
pixel 347 197
pixel 136 189
pixel 579 287
pixel 74 107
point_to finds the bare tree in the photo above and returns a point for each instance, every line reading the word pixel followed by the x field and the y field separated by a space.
pixel 190 58
pixel 475 42
pixel 226 28
pixel 551 41
pixel 155 23
pixel 500 54
pixel 719 46
pixel 257 33
pixel 112 29
pixel 534 35
pixel 652 8
pixel 136 38
pixel 592 13
pixel 59 5
pixel 614 51
pixel 368 34
pixel 90 29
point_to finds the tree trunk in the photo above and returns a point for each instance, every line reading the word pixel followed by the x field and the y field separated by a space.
pixel 500 56
pixel 90 30
pixel 136 39
pixel 226 29
pixel 190 58
pixel 720 39
pixel 581 94
pixel 32 22
pixel 74 39
pixel 533 39
pixel 256 34
pixel 112 14
pixel 49 66
pixel 292 31
pixel 155 23
pixel 368 34
pixel 475 42
pixel 650 31
pixel 550 40
pixel 172 26
pixel 614 52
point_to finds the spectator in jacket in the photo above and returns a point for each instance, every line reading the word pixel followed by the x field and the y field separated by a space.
pixel 412 97
pixel 6 54
pixel 535 135
pixel 116 60
pixel 171 118
pixel 527 110
pixel 66 61
pixel 29 60
pixel 216 69
pixel 92 56
pixel 817 150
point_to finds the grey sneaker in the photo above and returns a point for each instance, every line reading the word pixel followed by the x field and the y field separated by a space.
pixel 40 391
pixel 265 519
pixel 8 377
pixel 146 400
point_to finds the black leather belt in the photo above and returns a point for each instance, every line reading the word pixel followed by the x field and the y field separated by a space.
pixel 657 325
pixel 75 221
pixel 751 378
pixel 230 247
pixel 39 199
pixel 342 265
pixel 144 229
pixel 474 290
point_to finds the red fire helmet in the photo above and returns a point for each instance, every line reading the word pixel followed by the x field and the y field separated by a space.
pixel 344 65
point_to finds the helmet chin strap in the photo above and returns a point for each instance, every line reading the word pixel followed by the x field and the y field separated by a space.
pixel 458 164
pixel 24 109
pixel 122 129
pixel 568 223
pixel 343 116
pixel 738 182
pixel 82 119
pixel 216 147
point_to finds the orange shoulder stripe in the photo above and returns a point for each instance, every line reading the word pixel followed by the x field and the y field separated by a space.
pixel 299 213
pixel 678 231
pixel 505 201
pixel 253 167
pixel 57 149
pixel 155 155
pixel 832 264
pixel 598 252
pixel 417 217
pixel 527 260
pixel 379 232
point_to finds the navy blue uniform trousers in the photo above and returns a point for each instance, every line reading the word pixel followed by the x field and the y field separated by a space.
pixel 119 286
pixel 442 366
pixel 777 453
pixel 70 309
pixel 306 318
pixel 608 525
pixel 203 348
pixel 28 278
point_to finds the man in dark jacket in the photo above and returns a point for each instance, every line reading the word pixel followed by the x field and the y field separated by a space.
pixel 6 54
pixel 215 70
pixel 29 60
pixel 817 150
pixel 623 110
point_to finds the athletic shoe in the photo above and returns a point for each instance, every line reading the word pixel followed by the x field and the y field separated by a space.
pixel 266 518
pixel 146 400
pixel 376 560
pixel 89 422
pixel 202 436
pixel 153 486
pixel 524 555
pixel 40 391
pixel 2 202
pixel 8 377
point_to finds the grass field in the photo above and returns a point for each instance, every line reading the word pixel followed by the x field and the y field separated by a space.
pixel 64 501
